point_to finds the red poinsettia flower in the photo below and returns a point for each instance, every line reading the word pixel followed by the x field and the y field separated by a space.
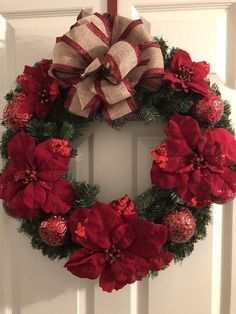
pixel 187 75
pixel 32 179
pixel 118 251
pixel 39 88
pixel 195 163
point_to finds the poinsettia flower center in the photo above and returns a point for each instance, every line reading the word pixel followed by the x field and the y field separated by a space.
pixel 199 161
pixel 29 175
pixel 112 254
pixel 185 73
pixel 44 96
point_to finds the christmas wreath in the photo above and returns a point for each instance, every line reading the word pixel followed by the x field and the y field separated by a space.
pixel 108 68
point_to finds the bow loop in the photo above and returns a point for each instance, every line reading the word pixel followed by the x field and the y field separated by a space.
pixel 102 60
pixel 122 57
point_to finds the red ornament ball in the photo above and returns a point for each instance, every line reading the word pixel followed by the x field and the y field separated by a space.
pixel 209 110
pixel 13 116
pixel 181 225
pixel 53 230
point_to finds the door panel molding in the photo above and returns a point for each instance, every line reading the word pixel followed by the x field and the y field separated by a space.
pixel 24 14
pixel 142 8
pixel 182 6
pixel 231 47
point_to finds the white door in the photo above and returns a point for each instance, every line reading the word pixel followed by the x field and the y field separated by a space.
pixel 205 283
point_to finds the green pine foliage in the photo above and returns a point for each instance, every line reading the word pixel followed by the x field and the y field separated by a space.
pixel 225 121
pixel 6 138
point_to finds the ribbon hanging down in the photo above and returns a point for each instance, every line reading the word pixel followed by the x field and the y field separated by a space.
pixel 101 59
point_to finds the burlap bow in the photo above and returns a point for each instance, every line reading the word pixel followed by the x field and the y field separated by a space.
pixel 102 59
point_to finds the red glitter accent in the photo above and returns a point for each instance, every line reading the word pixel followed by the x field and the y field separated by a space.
pixel 22 78
pixel 209 110
pixel 53 231
pixel 61 146
pixel 181 225
pixel 12 118
pixel 81 229
pixel 124 206
pixel 160 155
pixel 194 202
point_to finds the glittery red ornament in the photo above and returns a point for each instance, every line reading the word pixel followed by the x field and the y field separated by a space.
pixel 209 110
pixel 13 117
pixel 181 225
pixel 53 230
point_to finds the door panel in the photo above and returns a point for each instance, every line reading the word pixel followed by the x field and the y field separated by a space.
pixel 120 162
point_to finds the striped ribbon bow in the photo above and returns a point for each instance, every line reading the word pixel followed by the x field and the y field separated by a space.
pixel 102 59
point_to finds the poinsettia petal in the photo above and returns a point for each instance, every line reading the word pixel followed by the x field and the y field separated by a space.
pixel 123 236
pixel 229 178
pixel 27 105
pixel 19 209
pixel 106 280
pixel 52 88
pixel 149 238
pixel 52 162
pixel 200 87
pixel 198 186
pixel 60 199
pixel 8 186
pixel 171 78
pixel 102 221
pixel 123 271
pixel 83 264
pixel 161 260
pixel 80 217
pixel 29 85
pixel 178 148
pixel 220 147
pixel 200 70
pixel 34 195
pixel 176 83
pixel 21 149
pixel 129 268
pixel 179 154
pixel 41 109
pixel 181 57
pixel 184 128
pixel 185 193
pixel 223 184
pixel 167 180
